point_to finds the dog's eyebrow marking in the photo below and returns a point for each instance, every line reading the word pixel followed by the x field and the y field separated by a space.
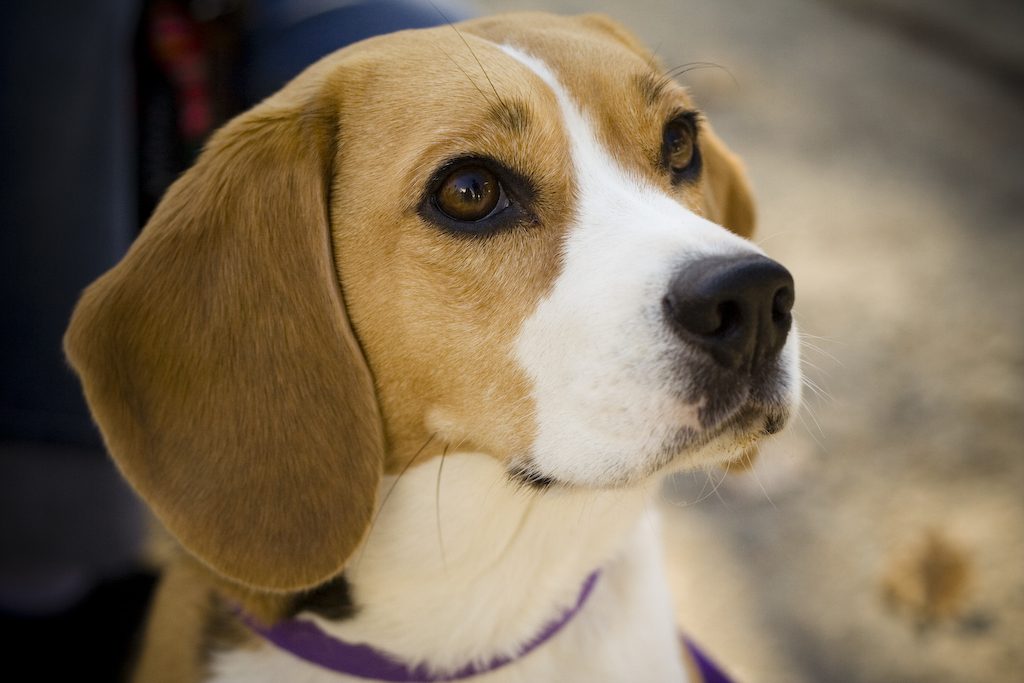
pixel 536 66
pixel 586 151
pixel 652 88
pixel 512 115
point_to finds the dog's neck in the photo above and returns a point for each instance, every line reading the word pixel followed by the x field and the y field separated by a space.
pixel 462 562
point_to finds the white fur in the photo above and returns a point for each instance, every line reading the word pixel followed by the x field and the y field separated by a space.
pixel 597 348
pixel 478 571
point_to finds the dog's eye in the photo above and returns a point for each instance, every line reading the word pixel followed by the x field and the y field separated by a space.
pixel 679 147
pixel 469 194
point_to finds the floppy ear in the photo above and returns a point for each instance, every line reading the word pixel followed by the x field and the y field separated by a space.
pixel 220 365
pixel 727 197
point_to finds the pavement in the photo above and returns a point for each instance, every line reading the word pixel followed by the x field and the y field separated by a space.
pixel 882 537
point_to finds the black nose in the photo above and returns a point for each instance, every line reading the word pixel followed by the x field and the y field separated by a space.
pixel 735 308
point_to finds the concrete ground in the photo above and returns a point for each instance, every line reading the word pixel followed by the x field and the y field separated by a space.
pixel 882 538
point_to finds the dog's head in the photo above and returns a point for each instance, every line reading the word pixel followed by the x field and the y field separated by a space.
pixel 517 238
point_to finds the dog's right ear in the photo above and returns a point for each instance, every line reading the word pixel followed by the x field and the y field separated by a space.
pixel 728 199
pixel 219 362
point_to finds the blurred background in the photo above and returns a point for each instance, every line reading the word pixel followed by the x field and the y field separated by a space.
pixel 880 539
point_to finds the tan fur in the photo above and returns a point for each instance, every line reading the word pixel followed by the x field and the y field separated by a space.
pixel 174 631
pixel 436 313
pixel 179 635
pixel 629 126
pixel 288 326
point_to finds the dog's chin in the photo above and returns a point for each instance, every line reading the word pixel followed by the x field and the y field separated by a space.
pixel 727 441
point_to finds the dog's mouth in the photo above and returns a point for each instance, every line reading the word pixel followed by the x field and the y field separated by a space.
pixel 525 473
pixel 728 439
pixel 717 416
pixel 725 441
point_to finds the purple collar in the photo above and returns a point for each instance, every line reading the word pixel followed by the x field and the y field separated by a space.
pixel 305 640
pixel 708 670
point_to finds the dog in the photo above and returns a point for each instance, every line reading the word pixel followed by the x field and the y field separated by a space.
pixel 402 359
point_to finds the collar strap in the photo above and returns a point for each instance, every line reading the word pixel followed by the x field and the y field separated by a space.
pixel 706 668
pixel 307 641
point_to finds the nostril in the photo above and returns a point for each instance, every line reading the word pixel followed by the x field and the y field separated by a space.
pixel 782 304
pixel 730 318
pixel 696 316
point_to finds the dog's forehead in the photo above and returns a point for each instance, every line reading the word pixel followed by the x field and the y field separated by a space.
pixel 459 71
pixel 415 99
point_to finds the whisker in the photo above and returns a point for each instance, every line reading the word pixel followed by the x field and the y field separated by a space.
pixel 684 69
pixel 805 362
pixel 704 488
pixel 718 495
pixel 764 239
pixel 818 391
pixel 387 495
pixel 654 56
pixel 808 345
pixel 760 484
pixel 465 73
pixel 810 432
pixel 820 338
pixel 437 507
pixel 704 493
pixel 468 47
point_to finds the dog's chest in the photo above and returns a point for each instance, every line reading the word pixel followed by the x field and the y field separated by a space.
pixel 510 562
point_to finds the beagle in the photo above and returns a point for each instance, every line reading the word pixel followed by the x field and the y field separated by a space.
pixel 400 362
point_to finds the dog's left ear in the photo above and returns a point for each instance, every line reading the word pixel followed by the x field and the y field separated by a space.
pixel 728 200
pixel 220 364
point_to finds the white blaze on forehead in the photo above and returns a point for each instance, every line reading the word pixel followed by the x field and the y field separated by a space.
pixel 600 356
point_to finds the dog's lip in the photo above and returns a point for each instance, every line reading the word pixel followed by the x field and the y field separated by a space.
pixel 744 418
pixel 742 428
pixel 748 424
pixel 726 403
pixel 752 419
pixel 526 474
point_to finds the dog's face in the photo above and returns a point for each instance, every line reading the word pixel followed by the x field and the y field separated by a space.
pixel 516 238
pixel 533 210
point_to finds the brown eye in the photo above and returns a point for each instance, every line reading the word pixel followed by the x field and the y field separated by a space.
pixel 679 147
pixel 680 144
pixel 470 194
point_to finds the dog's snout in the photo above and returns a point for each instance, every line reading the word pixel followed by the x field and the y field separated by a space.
pixel 735 308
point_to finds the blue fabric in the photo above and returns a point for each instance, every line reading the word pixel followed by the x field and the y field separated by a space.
pixel 67 209
pixel 67 213
pixel 287 36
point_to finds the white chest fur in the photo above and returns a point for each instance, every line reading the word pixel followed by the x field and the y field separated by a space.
pixel 460 565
